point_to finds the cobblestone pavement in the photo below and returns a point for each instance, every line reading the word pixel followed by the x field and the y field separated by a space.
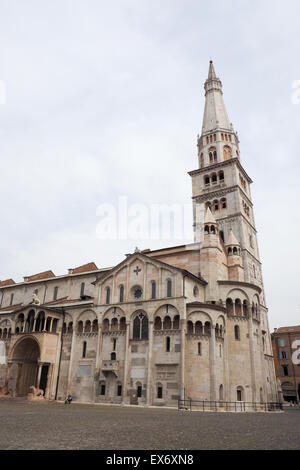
pixel 52 425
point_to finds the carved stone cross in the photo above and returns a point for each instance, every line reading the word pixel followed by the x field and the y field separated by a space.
pixel 137 270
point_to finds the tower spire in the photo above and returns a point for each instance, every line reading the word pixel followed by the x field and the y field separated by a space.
pixel 215 114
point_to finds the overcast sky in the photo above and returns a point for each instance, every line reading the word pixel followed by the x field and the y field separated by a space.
pixel 105 99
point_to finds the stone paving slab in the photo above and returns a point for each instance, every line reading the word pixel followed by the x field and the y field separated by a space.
pixel 53 425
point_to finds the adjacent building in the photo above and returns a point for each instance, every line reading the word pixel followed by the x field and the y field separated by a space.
pixel 286 351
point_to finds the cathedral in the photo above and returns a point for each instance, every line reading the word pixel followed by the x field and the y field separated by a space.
pixel 183 322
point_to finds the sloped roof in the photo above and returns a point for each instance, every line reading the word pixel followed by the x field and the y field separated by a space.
pixel 209 218
pixel 85 268
pixel 7 282
pixel 39 276
pixel 231 239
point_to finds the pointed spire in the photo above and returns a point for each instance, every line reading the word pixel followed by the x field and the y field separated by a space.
pixel 232 241
pixel 211 71
pixel 209 218
pixel 215 114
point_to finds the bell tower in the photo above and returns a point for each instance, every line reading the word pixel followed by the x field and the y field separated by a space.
pixel 221 183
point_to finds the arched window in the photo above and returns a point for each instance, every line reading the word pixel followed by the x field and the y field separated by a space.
pixel 157 323
pixel 55 293
pixel 114 324
pixel 102 388
pixel 215 156
pixel 216 205
pixel 121 293
pixel 106 324
pixel 198 328
pixel 190 327
pixel 123 323
pixel 167 323
pixel 140 327
pixel 84 349
pixel 176 322
pixel 221 233
pixel 168 344
pixel 199 349
pixel 113 356
pixel 226 152
pixel 238 307
pixel 82 289
pixel 214 178
pixel 80 327
pixel 195 291
pixel 119 390
pixel 87 326
pixel 207 328
pixel 223 203
pixel 239 394
pixel 107 300
pixel 95 326
pixel 206 229
pixel 221 393
pixel 221 176
pixel 229 306
pixel 206 180
pixel 70 327
pixel 138 390
pixel 237 333
pixel 169 288
pixel 159 391
pixel 153 290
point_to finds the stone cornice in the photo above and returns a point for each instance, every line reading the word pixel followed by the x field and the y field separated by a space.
pixel 241 284
pixel 221 165
pixel 205 305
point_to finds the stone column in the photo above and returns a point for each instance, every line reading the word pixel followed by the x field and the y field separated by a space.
pixel 212 357
pixel 149 371
pixel 7 375
pixel 40 365
pixel 182 360
pixel 126 365
pixel 51 323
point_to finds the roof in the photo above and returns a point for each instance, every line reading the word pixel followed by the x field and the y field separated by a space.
pixel 85 268
pixel 209 218
pixel 288 329
pixel 37 277
pixel 231 239
pixel 8 282
pixel 143 255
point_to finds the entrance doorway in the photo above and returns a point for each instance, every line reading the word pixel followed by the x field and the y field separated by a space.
pixel 25 366
pixel 44 376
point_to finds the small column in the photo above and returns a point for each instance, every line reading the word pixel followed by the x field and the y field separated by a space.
pixel 182 360
pixel 40 365
pixel 51 323
pixel 125 385
pixel 226 367
pixel 149 374
pixel 212 356
pixel 34 323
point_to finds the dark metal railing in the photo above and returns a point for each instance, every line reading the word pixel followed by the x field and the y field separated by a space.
pixel 236 406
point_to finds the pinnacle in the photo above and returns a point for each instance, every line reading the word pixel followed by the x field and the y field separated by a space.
pixel 209 218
